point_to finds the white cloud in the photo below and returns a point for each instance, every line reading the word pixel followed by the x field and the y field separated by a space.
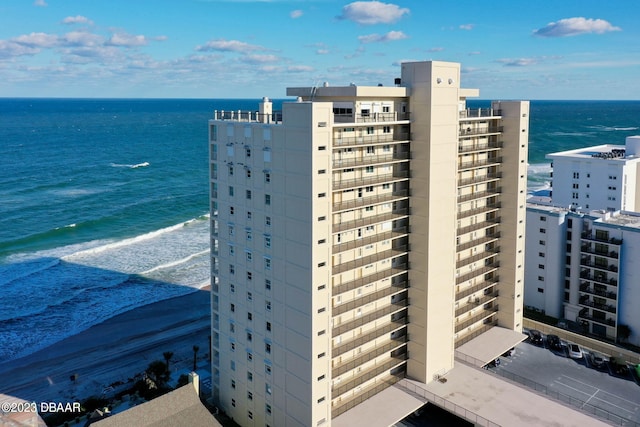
pixel 223 45
pixel 322 51
pixel 127 40
pixel 575 26
pixel 295 14
pixel 40 3
pixel 372 12
pixel 517 62
pixel 467 27
pixel 37 40
pixel 259 59
pixel 81 38
pixel 380 38
pixel 79 19
pixel 435 49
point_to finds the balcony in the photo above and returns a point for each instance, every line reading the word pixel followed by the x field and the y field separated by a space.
pixel 476 303
pixel 489 207
pixel 365 375
pixel 479 179
pixel 248 116
pixel 340 141
pixel 360 301
pixel 389 197
pixel 343 367
pixel 368 160
pixel 478 257
pixel 378 332
pixel 480 194
pixel 492 161
pixel 586 288
pixel 584 314
pixel 478 226
pixel 608 267
pixel 346 403
pixel 371 278
pixel 371 220
pixel 375 315
pixel 586 274
pixel 477 318
pixel 484 146
pixel 394 116
pixel 605 253
pixel 477 272
pixel 589 235
pixel 370 240
pixel 370 259
pixel 343 184
pixel 586 302
pixel 477 242
pixel 475 288
pixel 471 113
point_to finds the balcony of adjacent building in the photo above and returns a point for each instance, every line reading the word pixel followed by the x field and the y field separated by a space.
pixel 476 113
pixel 465 164
pixel 599 263
pixel 471 303
pixel 596 316
pixel 400 267
pixel 274 117
pixel 341 140
pixel 470 147
pixel 371 117
pixel 480 179
pixel 399 210
pixel 397 175
pixel 394 304
pixel 599 277
pixel 484 286
pixel 340 366
pixel 398 230
pixel 394 328
pixel 343 161
pixel 599 249
pixel 597 290
pixel 398 193
pixel 600 236
pixel 597 303
pixel 483 315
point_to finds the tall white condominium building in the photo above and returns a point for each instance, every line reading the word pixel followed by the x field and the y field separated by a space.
pixel 601 177
pixel 360 236
pixel 583 266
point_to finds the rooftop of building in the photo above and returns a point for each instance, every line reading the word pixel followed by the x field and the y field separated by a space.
pixel 619 218
pixel 630 152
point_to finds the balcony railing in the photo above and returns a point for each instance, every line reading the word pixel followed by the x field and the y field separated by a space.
pixel 588 235
pixel 370 240
pixel 477 318
pixel 587 249
pixel 392 196
pixel 477 242
pixel 478 226
pixel 484 209
pixel 479 112
pixel 365 375
pixel 473 131
pixel 343 367
pixel 478 257
pixel 394 116
pixel 477 272
pixel 479 179
pixel 586 288
pixel 586 316
pixel 588 263
pixel 476 303
pixel 480 194
pixel 369 336
pixel 396 288
pixel 597 278
pixel 492 161
pixel 484 146
pixel 370 159
pixel 363 319
pixel 371 278
pixel 248 116
pixel 342 184
pixel 371 220
pixel 369 259
pixel 347 403
pixel 345 141
pixel 478 287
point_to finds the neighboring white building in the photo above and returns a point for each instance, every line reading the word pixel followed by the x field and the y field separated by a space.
pixel 583 266
pixel 600 177
pixel 360 236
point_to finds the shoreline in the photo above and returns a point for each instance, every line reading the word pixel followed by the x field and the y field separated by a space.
pixel 115 350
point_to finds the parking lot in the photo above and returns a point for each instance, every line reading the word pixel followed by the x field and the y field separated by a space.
pixel 575 381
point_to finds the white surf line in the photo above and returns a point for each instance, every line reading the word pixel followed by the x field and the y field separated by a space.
pixel 597 398
pixel 604 391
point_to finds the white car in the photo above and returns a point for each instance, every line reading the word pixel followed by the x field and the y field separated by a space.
pixel 575 352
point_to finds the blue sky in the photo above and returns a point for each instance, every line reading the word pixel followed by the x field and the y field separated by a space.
pixel 509 49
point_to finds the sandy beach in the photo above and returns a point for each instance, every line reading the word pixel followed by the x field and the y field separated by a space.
pixel 112 351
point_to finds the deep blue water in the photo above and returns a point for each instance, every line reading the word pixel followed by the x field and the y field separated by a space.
pixel 104 203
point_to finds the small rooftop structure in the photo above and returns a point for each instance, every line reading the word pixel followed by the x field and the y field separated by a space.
pixel 628 152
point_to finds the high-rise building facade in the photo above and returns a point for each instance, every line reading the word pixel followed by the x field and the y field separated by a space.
pixel 360 236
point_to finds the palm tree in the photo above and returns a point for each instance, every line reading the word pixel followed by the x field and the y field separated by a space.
pixel 195 355
pixel 167 357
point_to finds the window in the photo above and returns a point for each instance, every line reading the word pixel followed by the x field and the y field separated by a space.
pixel 267 241
pixel 249 376
pixel 250 415
pixel 267 284
pixel 542 242
pixel 267 326
pixel 541 254
pixel 267 409
pixel 232 269
pixel 321 241
pixel 248 173
pixel 267 199
pixel 267 263
pixel 321 355
pixel 321 377
pixel 230 170
pixel 321 400
pixel 230 230
pixel 249 395
pixel 371 149
pixel 322 171
pixel 247 152
pixel 543 218
pixel 249 236
pixel 233 403
pixel 232 307
pixel 267 305
pixel 249 275
pixel 248 194
pixel 543 230
pixel 249 296
pixel 249 256
pixel 541 290
pixel 368 209
pixel 232 250
pixel 231 191
pixel 267 177
pixel 248 214
pixel 267 388
pixel 232 288
pixel 541 279
pixel 249 354
pixel 233 365
pixel 267 348
pixel 232 328
pixel 541 266
pixel 386 129
pixel 249 316
pixel 233 383
pixel 231 210
pixel 267 221
pixel 267 369
pixel 369 169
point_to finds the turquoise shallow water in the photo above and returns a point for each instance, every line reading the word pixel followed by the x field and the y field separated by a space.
pixel 104 203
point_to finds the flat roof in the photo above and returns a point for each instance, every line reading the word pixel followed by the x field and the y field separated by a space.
pixel 597 152
pixel 348 91
pixel 489 345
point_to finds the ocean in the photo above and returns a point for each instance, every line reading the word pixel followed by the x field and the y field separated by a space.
pixel 104 202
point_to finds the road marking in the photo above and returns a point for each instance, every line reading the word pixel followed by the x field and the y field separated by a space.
pixel 603 391
pixel 597 398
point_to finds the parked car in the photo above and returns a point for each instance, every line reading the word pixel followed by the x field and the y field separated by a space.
pixel 619 367
pixel 553 341
pixel 598 361
pixel 575 352
pixel 536 337
pixel 509 352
